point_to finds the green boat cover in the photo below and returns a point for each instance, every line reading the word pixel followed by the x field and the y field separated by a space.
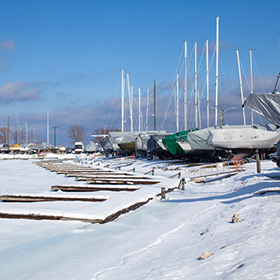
pixel 171 142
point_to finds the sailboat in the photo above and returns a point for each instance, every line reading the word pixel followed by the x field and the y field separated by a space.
pixel 243 137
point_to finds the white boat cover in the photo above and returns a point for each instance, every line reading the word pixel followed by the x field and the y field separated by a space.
pixel 198 140
pixel 91 147
pixel 265 104
pixel 118 137
pixel 243 138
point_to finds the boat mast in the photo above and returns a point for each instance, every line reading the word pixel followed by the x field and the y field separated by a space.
pixel 185 89
pixel 26 135
pixel 8 130
pixel 154 105
pixel 130 88
pixel 147 112
pixel 122 102
pixel 241 87
pixel 48 127
pixel 177 102
pixel 207 82
pixel 131 107
pixel 252 90
pixel 17 131
pixel 195 85
pixel 139 92
pixel 217 70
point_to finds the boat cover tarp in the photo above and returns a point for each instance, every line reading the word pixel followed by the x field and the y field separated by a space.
pixel 91 147
pixel 171 142
pixel 155 144
pixel 117 137
pixel 198 140
pixel 265 104
pixel 141 140
pixel 243 138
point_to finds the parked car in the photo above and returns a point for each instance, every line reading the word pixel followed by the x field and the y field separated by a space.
pixel 79 147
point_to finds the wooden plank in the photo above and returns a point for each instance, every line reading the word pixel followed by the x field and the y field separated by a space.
pixel 67 171
pixel 203 177
pixel 46 217
pixel 80 174
pixel 110 218
pixel 122 182
pixel 90 189
pixel 33 198
pixel 86 176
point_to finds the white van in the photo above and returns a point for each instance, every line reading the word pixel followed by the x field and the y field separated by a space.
pixel 79 147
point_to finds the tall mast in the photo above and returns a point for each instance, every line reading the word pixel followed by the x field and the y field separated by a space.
pixel 131 108
pixel 26 135
pixel 185 90
pixel 147 112
pixel 122 102
pixel 48 126
pixel 252 90
pixel 207 84
pixel 17 131
pixel 129 88
pixel 8 131
pixel 139 92
pixel 195 85
pixel 155 105
pixel 241 87
pixel 177 102
pixel 217 70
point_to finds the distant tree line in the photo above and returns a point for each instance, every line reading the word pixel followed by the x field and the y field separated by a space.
pixel 76 133
pixel 17 136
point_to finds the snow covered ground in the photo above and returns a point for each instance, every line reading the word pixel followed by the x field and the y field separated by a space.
pixel 161 240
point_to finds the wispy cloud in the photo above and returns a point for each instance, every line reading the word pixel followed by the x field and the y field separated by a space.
pixel 74 78
pixel 18 92
pixel 7 45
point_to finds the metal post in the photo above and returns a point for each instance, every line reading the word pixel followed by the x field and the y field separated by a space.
pixel 258 162
pixel 54 135
pixel 163 193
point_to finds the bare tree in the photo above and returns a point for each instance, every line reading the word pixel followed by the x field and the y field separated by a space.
pixel 103 132
pixel 18 136
pixel 76 133
pixel 4 135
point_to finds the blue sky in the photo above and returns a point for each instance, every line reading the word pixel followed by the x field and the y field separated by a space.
pixel 67 56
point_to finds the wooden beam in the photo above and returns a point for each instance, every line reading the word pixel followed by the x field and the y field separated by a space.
pixel 90 189
pixel 33 198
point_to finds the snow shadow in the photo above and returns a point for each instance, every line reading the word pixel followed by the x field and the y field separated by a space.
pixel 244 192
